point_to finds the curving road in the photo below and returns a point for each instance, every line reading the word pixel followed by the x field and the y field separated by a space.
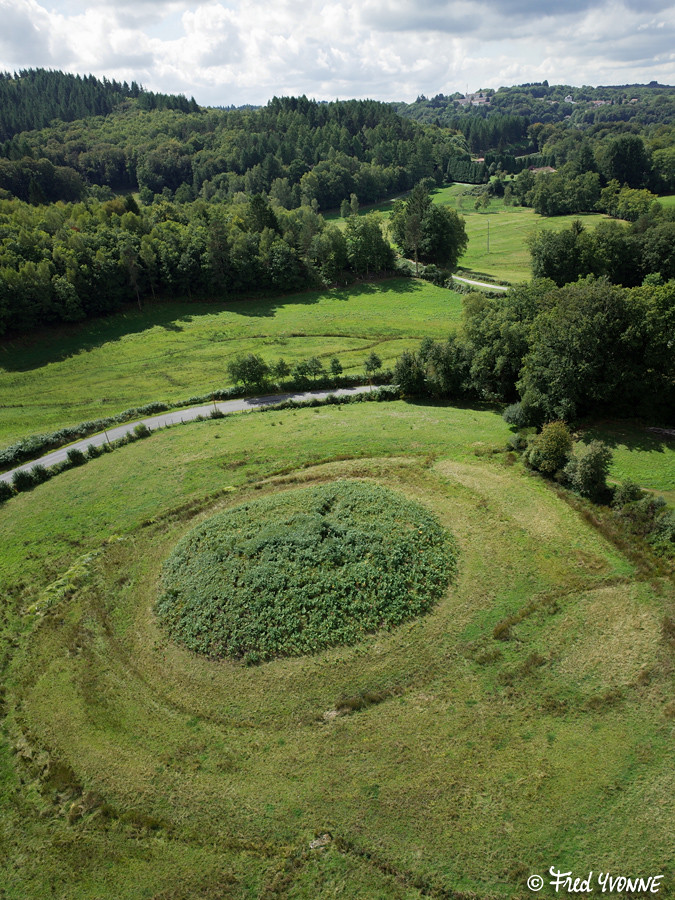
pixel 485 284
pixel 176 416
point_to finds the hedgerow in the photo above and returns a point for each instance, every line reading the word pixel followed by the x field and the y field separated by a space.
pixel 25 479
pixel 38 444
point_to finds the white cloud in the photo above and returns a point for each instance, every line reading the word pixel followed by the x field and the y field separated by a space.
pixel 238 51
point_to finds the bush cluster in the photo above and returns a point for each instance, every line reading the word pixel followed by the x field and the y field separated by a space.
pixel 645 515
pixel 584 469
pixel 581 467
pixel 303 570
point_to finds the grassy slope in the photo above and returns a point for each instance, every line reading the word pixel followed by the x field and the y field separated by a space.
pixel 488 761
pixel 509 258
pixel 177 350
pixel 510 226
pixel 639 455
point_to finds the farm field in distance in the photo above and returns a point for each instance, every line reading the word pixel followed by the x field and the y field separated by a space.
pixel 508 259
pixel 436 756
pixel 174 350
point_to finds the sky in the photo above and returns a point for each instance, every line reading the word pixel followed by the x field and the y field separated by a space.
pixel 226 52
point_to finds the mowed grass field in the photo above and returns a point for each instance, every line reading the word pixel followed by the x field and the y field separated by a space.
pixel 130 768
pixel 174 350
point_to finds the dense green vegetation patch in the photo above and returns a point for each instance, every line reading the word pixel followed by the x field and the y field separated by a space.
pixel 304 570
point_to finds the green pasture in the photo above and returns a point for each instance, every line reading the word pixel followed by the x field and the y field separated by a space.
pixel 668 201
pixel 508 258
pixel 175 350
pixel 439 759
pixel 640 454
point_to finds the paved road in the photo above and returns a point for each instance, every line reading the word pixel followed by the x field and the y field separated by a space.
pixel 485 284
pixel 180 415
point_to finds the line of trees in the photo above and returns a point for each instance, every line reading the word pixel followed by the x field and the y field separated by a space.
pixel 551 352
pixel 624 254
pixel 65 262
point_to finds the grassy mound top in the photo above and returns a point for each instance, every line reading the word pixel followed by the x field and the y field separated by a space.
pixel 303 570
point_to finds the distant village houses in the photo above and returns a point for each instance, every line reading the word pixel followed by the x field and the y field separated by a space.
pixel 478 99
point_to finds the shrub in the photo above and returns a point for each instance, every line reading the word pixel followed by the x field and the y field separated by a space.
pixel 148 409
pixel 93 451
pixel 22 480
pixel 663 533
pixel 516 415
pixel 642 516
pixel 141 430
pixel 75 457
pixel 587 470
pixel 549 451
pixel 6 491
pixel 404 268
pixel 435 275
pixel 517 442
pixel 40 474
pixel 625 493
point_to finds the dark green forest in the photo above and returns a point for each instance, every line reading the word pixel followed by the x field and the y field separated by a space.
pixel 65 262
pixel 34 97
pixel 229 199
pixel 294 149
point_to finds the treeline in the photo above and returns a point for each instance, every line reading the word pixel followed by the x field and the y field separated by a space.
pixel 295 150
pixel 587 348
pixel 618 175
pixel 638 158
pixel 643 105
pixel 65 262
pixel 626 255
pixel 30 99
